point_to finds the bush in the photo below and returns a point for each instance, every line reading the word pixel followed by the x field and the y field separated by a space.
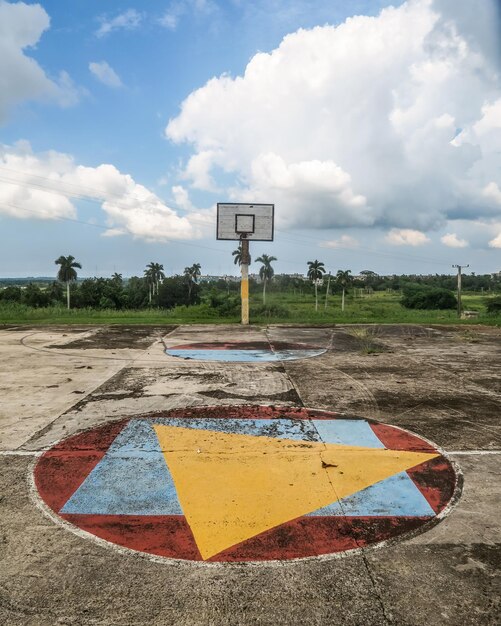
pixel 269 310
pixel 493 305
pixel 417 297
pixel 35 297
pixel 11 294
pixel 174 291
pixel 223 303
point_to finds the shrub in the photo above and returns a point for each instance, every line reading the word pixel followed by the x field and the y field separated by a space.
pixel 418 297
pixel 174 292
pixel 35 297
pixel 493 305
pixel 223 303
pixel 11 294
pixel 270 310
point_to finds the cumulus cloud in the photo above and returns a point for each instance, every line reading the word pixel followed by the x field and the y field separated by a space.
pixel 493 193
pixel 451 240
pixel 21 77
pixel 105 74
pixel 406 237
pixel 345 241
pixel 46 185
pixel 182 198
pixel 496 242
pixel 389 121
pixel 128 20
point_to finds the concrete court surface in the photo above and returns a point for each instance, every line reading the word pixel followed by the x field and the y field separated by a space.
pixel 442 383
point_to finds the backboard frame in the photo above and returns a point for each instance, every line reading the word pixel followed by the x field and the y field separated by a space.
pixel 263 221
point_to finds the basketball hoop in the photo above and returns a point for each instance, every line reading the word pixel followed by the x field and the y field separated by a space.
pixel 245 223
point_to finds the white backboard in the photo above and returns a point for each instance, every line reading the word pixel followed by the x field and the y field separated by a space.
pixel 249 221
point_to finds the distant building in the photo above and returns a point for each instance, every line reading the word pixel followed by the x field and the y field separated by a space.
pixel 207 278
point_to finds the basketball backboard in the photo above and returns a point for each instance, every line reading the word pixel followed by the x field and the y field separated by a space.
pixel 237 221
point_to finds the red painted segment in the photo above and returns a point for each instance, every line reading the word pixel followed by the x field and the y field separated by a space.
pixel 170 536
pixel 62 469
pixel 162 535
pixel 244 345
pixel 395 439
pixel 436 480
pixel 246 412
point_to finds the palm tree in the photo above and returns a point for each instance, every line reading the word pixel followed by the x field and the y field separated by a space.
pixel 237 254
pixel 67 273
pixel 192 275
pixel 197 271
pixel 316 270
pixel 117 278
pixel 266 272
pixel 150 279
pixel 154 274
pixel 344 279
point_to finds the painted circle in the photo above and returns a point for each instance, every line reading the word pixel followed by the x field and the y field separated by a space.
pixel 245 351
pixel 121 483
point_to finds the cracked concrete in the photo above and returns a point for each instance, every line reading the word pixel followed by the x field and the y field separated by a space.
pixel 441 383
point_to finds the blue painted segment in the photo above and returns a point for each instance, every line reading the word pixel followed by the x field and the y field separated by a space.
pixel 339 431
pixel 394 496
pixel 283 428
pixel 244 356
pixel 347 432
pixel 131 479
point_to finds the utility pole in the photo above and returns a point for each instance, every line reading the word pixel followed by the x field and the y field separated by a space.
pixel 459 268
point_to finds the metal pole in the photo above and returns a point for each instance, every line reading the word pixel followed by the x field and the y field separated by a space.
pixel 459 268
pixel 244 286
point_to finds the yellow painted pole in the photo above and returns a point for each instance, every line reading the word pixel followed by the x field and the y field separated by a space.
pixel 244 285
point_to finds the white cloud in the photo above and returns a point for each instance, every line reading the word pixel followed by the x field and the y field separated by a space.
pixel 105 74
pixel 492 192
pixel 182 198
pixel 21 77
pixel 406 237
pixel 169 20
pixel 311 189
pixel 45 186
pixel 354 125
pixel 345 241
pixel 128 20
pixel 198 170
pixel 179 8
pixel 451 240
pixel 496 242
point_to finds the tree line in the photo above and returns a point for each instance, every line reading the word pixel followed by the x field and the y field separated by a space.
pixel 154 289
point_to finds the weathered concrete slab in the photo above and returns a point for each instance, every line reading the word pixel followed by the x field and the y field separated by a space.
pixel 440 584
pixel 143 388
pixel 441 383
pixel 37 384
pixel 412 379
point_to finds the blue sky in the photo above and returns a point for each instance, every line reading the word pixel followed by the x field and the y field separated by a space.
pixel 376 135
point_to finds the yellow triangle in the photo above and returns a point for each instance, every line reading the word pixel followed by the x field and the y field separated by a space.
pixel 232 487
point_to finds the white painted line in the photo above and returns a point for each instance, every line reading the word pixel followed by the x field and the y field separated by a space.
pixel 21 452
pixel 473 452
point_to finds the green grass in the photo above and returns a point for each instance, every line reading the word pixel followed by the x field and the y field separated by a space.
pixel 380 308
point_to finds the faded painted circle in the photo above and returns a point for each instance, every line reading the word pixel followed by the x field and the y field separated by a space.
pixel 222 484
pixel 239 351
